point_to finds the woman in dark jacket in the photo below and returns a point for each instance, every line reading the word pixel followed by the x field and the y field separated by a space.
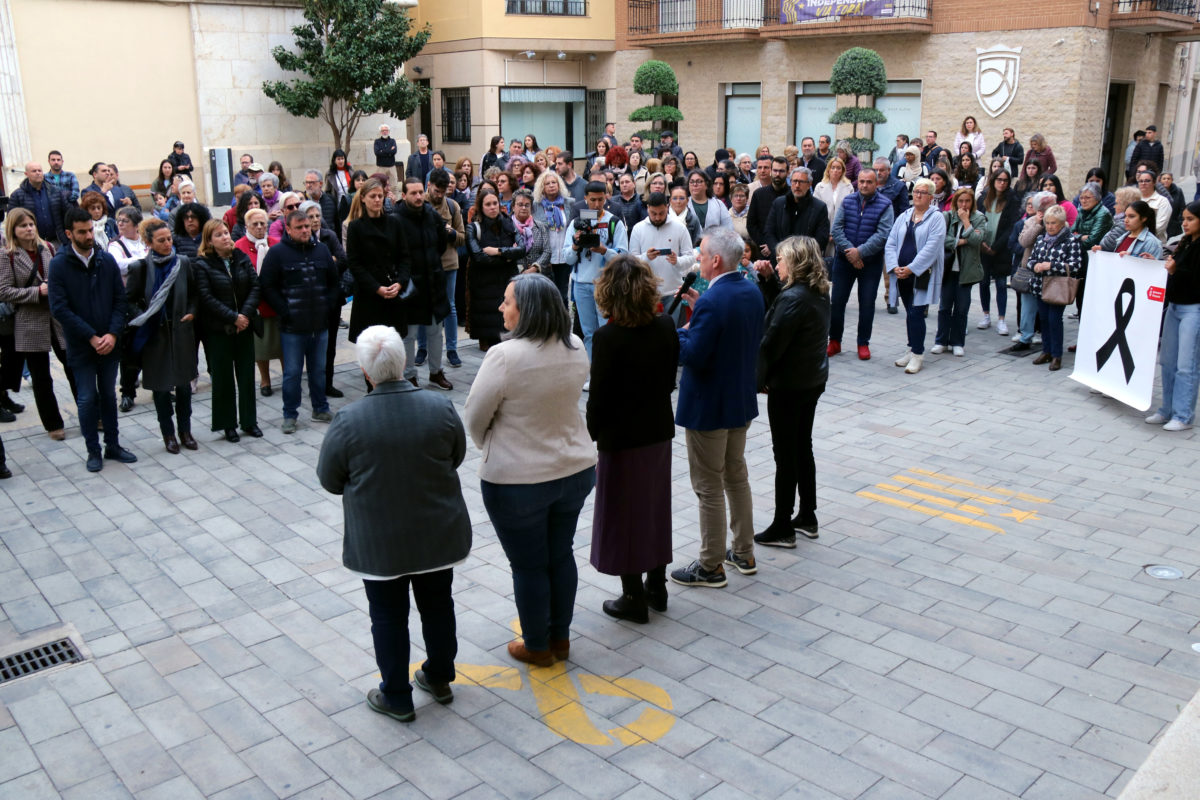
pixel 161 295
pixel 632 425
pixel 1056 253
pixel 492 242
pixel 227 286
pixel 189 225
pixel 378 259
pixel 1180 351
pixel 1002 207
pixel 792 369
pixel 1166 186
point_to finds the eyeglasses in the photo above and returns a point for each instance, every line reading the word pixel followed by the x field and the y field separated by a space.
pixel 291 207
pixel 1145 180
pixel 920 191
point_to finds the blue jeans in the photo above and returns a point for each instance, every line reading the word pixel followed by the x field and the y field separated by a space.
pixel 952 311
pixel 985 295
pixel 450 323
pixel 1028 320
pixel 96 382
pixel 535 523
pixel 589 314
pixel 844 277
pixel 1052 328
pixel 300 349
pixel 1178 356
pixel 914 318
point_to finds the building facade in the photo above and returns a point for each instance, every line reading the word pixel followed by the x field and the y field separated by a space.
pixel 121 80
pixel 1084 73
pixel 515 67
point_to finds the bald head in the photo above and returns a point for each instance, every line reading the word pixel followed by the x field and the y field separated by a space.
pixel 33 172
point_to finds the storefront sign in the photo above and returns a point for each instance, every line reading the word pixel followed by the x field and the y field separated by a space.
pixel 997 70
pixel 793 11
pixel 1118 329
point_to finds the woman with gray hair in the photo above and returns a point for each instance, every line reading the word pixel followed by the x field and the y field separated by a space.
pixel 853 165
pixel 327 237
pixel 1056 253
pixel 539 464
pixel 1032 228
pixel 379 466
pixel 1089 229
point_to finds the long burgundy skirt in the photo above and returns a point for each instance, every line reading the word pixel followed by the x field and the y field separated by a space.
pixel 631 523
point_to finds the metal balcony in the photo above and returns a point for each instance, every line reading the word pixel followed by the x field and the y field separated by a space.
pixel 1153 16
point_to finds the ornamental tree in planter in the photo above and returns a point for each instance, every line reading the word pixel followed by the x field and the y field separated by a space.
pixel 657 79
pixel 859 72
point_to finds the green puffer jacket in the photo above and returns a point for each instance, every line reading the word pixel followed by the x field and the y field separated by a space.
pixel 970 267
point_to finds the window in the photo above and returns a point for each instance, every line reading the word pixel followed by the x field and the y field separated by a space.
pixel 815 102
pixel 456 115
pixel 555 8
pixel 743 117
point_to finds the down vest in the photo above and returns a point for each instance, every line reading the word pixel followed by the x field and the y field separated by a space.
pixel 299 281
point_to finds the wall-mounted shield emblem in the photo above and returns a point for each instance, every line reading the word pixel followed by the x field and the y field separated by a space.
pixel 997 70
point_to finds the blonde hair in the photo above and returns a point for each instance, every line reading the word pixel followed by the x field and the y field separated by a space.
pixel 805 263
pixel 254 212
pixel 1055 212
pixel 210 227
pixel 15 218
pixel 840 163
pixel 1127 196
pixel 539 187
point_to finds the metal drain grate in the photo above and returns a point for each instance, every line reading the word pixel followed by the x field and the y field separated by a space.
pixel 37 659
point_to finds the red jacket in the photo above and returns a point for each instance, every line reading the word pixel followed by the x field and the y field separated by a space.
pixel 246 247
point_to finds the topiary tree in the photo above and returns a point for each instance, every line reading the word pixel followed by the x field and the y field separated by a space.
pixel 859 72
pixel 655 78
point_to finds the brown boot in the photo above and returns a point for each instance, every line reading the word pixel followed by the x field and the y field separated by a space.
pixel 561 648
pixel 539 658
pixel 172 444
pixel 438 379
pixel 1055 364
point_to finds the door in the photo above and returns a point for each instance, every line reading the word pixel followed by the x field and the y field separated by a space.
pixel 743 117
pixel 1117 132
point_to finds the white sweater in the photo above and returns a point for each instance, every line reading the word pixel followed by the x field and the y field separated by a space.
pixel 672 235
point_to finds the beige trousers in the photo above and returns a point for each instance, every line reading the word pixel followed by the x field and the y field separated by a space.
pixel 717 462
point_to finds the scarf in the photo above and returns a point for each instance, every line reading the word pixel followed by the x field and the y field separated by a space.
pixel 524 231
pixel 99 233
pixel 166 270
pixel 260 250
pixel 556 218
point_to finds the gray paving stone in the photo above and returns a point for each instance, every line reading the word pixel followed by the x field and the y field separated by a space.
pixel 982 762
pixel 33 784
pixel 169 655
pixel 1078 767
pixel 140 762
pixel 823 768
pixel 42 716
pixel 283 768
pixel 172 722
pixel 902 766
pixel 140 684
pixel 201 687
pixel 177 788
pixel 305 726
pixel 108 719
pixel 210 764
pixel 813 726
pixel 239 725
pixel 676 778
pixel 109 786
pixel 70 759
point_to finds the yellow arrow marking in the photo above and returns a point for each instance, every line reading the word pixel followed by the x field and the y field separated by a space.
pixel 941 501
pixel 932 512
pixel 981 498
pixel 1020 516
pixel 1029 498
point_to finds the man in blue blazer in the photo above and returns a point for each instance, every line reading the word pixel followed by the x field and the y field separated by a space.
pixel 717 401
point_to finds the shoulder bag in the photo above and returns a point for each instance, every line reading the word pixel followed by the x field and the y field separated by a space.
pixel 1059 290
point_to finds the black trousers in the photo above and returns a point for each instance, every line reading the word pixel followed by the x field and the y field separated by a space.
pixel 388 606
pixel 791 415
pixel 335 321
pixel 231 365
pixel 10 364
pixel 181 408
pixel 131 367
pixel 43 385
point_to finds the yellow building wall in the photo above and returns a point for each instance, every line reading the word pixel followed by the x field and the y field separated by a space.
pixel 452 20
pixel 116 86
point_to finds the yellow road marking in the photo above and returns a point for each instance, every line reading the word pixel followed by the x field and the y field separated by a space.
pixel 932 512
pixel 995 489
pixel 991 501
pixel 941 501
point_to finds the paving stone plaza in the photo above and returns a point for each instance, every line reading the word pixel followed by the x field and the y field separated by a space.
pixel 975 620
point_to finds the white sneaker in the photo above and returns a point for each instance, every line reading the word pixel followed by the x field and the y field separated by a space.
pixel 903 360
pixel 958 351
pixel 984 323
pixel 587 386
pixel 1002 328
pixel 1037 339
pixel 1016 337
pixel 1155 419
pixel 938 348
pixel 914 364
pixel 1176 425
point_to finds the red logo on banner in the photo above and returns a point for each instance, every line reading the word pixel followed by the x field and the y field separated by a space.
pixel 1156 293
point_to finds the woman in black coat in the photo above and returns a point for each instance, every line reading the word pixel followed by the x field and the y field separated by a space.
pixel 792 369
pixel 377 255
pixel 492 241
pixel 632 425
pixel 227 286
pixel 1002 206
pixel 165 336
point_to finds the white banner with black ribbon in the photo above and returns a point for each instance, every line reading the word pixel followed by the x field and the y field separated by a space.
pixel 1118 330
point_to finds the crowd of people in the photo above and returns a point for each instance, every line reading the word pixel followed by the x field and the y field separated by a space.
pixel 734 276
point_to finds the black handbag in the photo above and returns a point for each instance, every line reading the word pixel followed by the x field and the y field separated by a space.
pixel 1022 279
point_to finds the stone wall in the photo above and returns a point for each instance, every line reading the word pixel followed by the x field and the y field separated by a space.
pixel 1062 90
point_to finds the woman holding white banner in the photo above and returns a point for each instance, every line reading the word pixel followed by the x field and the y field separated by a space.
pixel 1180 351
pixel 1139 238
pixel 1056 253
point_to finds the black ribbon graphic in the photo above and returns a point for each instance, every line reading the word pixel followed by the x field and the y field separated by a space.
pixel 1123 316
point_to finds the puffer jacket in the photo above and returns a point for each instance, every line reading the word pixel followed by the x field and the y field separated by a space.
pixel 425 234
pixel 225 292
pixel 299 281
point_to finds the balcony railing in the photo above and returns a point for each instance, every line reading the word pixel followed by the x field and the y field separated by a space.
pixel 551 8
pixel 682 17
pixel 1185 8
pixel 1153 16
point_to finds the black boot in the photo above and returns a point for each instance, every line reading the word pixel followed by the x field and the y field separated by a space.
pixel 8 404
pixel 656 588
pixel 631 605
pixel 4 471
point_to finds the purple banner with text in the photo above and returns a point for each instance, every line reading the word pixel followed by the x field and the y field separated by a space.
pixel 793 11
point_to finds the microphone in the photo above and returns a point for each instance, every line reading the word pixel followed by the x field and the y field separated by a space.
pixel 688 280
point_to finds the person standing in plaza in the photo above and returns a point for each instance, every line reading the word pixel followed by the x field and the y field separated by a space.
pixel 456 237
pixel 385 151
pixel 299 280
pixel 538 464
pixel 87 297
pixel 792 370
pixel 427 305
pixel 588 260
pixel 162 299
pixel 914 256
pixel 65 180
pixel 228 291
pixel 45 200
pixel 1180 351
pixel 717 401
pixel 400 448
pixel 632 426
pixel 860 231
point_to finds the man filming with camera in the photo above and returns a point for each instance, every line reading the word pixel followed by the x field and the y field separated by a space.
pixel 596 238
